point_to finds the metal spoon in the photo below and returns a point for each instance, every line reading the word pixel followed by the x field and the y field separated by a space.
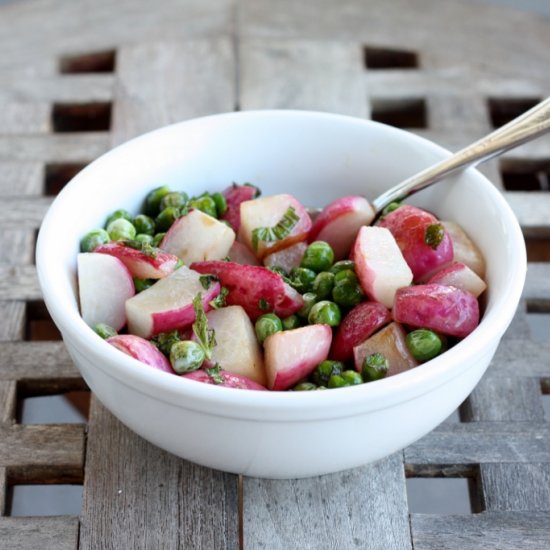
pixel 526 127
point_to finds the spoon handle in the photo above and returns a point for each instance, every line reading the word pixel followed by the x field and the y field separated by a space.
pixel 526 127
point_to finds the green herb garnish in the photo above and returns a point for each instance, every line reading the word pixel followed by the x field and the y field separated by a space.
pixel 278 232
pixel 206 337
pixel 220 300
pixel 263 304
pixel 434 235
pixel 215 374
pixel 207 280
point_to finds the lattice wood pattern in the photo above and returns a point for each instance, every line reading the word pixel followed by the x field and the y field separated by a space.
pixel 77 78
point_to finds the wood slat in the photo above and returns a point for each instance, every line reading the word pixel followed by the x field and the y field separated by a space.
pixel 361 508
pixel 46 533
pixel 12 320
pixel 8 401
pixel 489 530
pixel 537 282
pixel 19 117
pixel 531 210
pixel 16 245
pixel 516 357
pixel 23 212
pixel 150 498
pixel 294 74
pixel 19 283
pixel 21 177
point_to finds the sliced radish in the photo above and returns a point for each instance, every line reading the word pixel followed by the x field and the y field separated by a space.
pixel 142 350
pixel 257 289
pixel 267 212
pixel 380 265
pixel 198 236
pixel 460 276
pixel 338 223
pixel 234 195
pixel 168 304
pixel 154 265
pixel 241 254
pixel 464 248
pixel 104 285
pixel 362 321
pixel 287 258
pixel 292 355
pixel 445 309
pixel 237 349
pixel 391 343
pixel 224 379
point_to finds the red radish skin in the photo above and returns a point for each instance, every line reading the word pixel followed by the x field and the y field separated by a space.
pixel 408 225
pixel 257 289
pixel 168 304
pixel 104 285
pixel 460 276
pixel 144 266
pixel 234 195
pixel 142 350
pixel 241 254
pixel 360 323
pixel 230 380
pixel 268 212
pixel 292 355
pixel 287 258
pixel 444 309
pixel 338 223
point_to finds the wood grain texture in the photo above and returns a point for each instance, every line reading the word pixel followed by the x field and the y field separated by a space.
pixel 21 178
pixel 17 245
pixel 138 496
pixel 8 401
pixel 46 533
pixel 23 212
pixel 19 283
pixel 12 320
pixel 361 508
pixel 488 530
pixel 19 117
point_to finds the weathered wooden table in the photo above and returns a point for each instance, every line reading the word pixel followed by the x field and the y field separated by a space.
pixel 78 77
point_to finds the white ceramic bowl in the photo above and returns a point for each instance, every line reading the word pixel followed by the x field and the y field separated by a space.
pixel 317 157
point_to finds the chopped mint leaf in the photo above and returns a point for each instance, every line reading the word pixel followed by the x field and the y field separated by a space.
pixel 206 337
pixel 278 232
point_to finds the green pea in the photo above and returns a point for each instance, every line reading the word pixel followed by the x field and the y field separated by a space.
pixel 167 217
pixel 343 265
pixel 345 276
pixel 104 330
pixel 324 370
pixel 291 322
pixel 390 208
pixel 266 325
pixel 144 224
pixel 424 344
pixel 304 386
pixel 121 229
pixel 93 239
pixel 325 313
pixel 220 202
pixel 309 300
pixel 205 204
pixel 144 239
pixel 186 356
pixel 157 239
pixel 375 367
pixel 121 213
pixel 323 283
pixel 153 198
pixel 143 284
pixel 318 256
pixel 346 378
pixel 302 279
pixel 165 340
pixel 174 198
pixel 347 294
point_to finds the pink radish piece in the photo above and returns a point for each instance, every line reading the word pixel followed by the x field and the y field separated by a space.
pixel 287 258
pixel 142 350
pixel 257 289
pixel 168 304
pixel 380 265
pixel 339 222
pixel 237 349
pixel 292 355
pixel 268 212
pixel 104 285
pixel 224 379
pixel 464 248
pixel 460 276
pixel 198 236
pixel 445 309
pixel 391 343
pixel 409 225
pixel 241 254
pixel 155 265
pixel 234 195
pixel 362 321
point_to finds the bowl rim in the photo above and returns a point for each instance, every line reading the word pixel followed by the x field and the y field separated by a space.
pixel 267 405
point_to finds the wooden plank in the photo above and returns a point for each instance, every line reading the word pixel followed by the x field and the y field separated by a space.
pixel 361 508
pixel 3 491
pixel 531 210
pixel 150 498
pixel 516 357
pixel 537 282
pixel 19 117
pixel 25 212
pixel 482 442
pixel 166 95
pixel 516 487
pixel 16 245
pixel 296 74
pixel 19 283
pixel 46 533
pixel 488 530
pixel 12 320
pixel 8 401
pixel 21 177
